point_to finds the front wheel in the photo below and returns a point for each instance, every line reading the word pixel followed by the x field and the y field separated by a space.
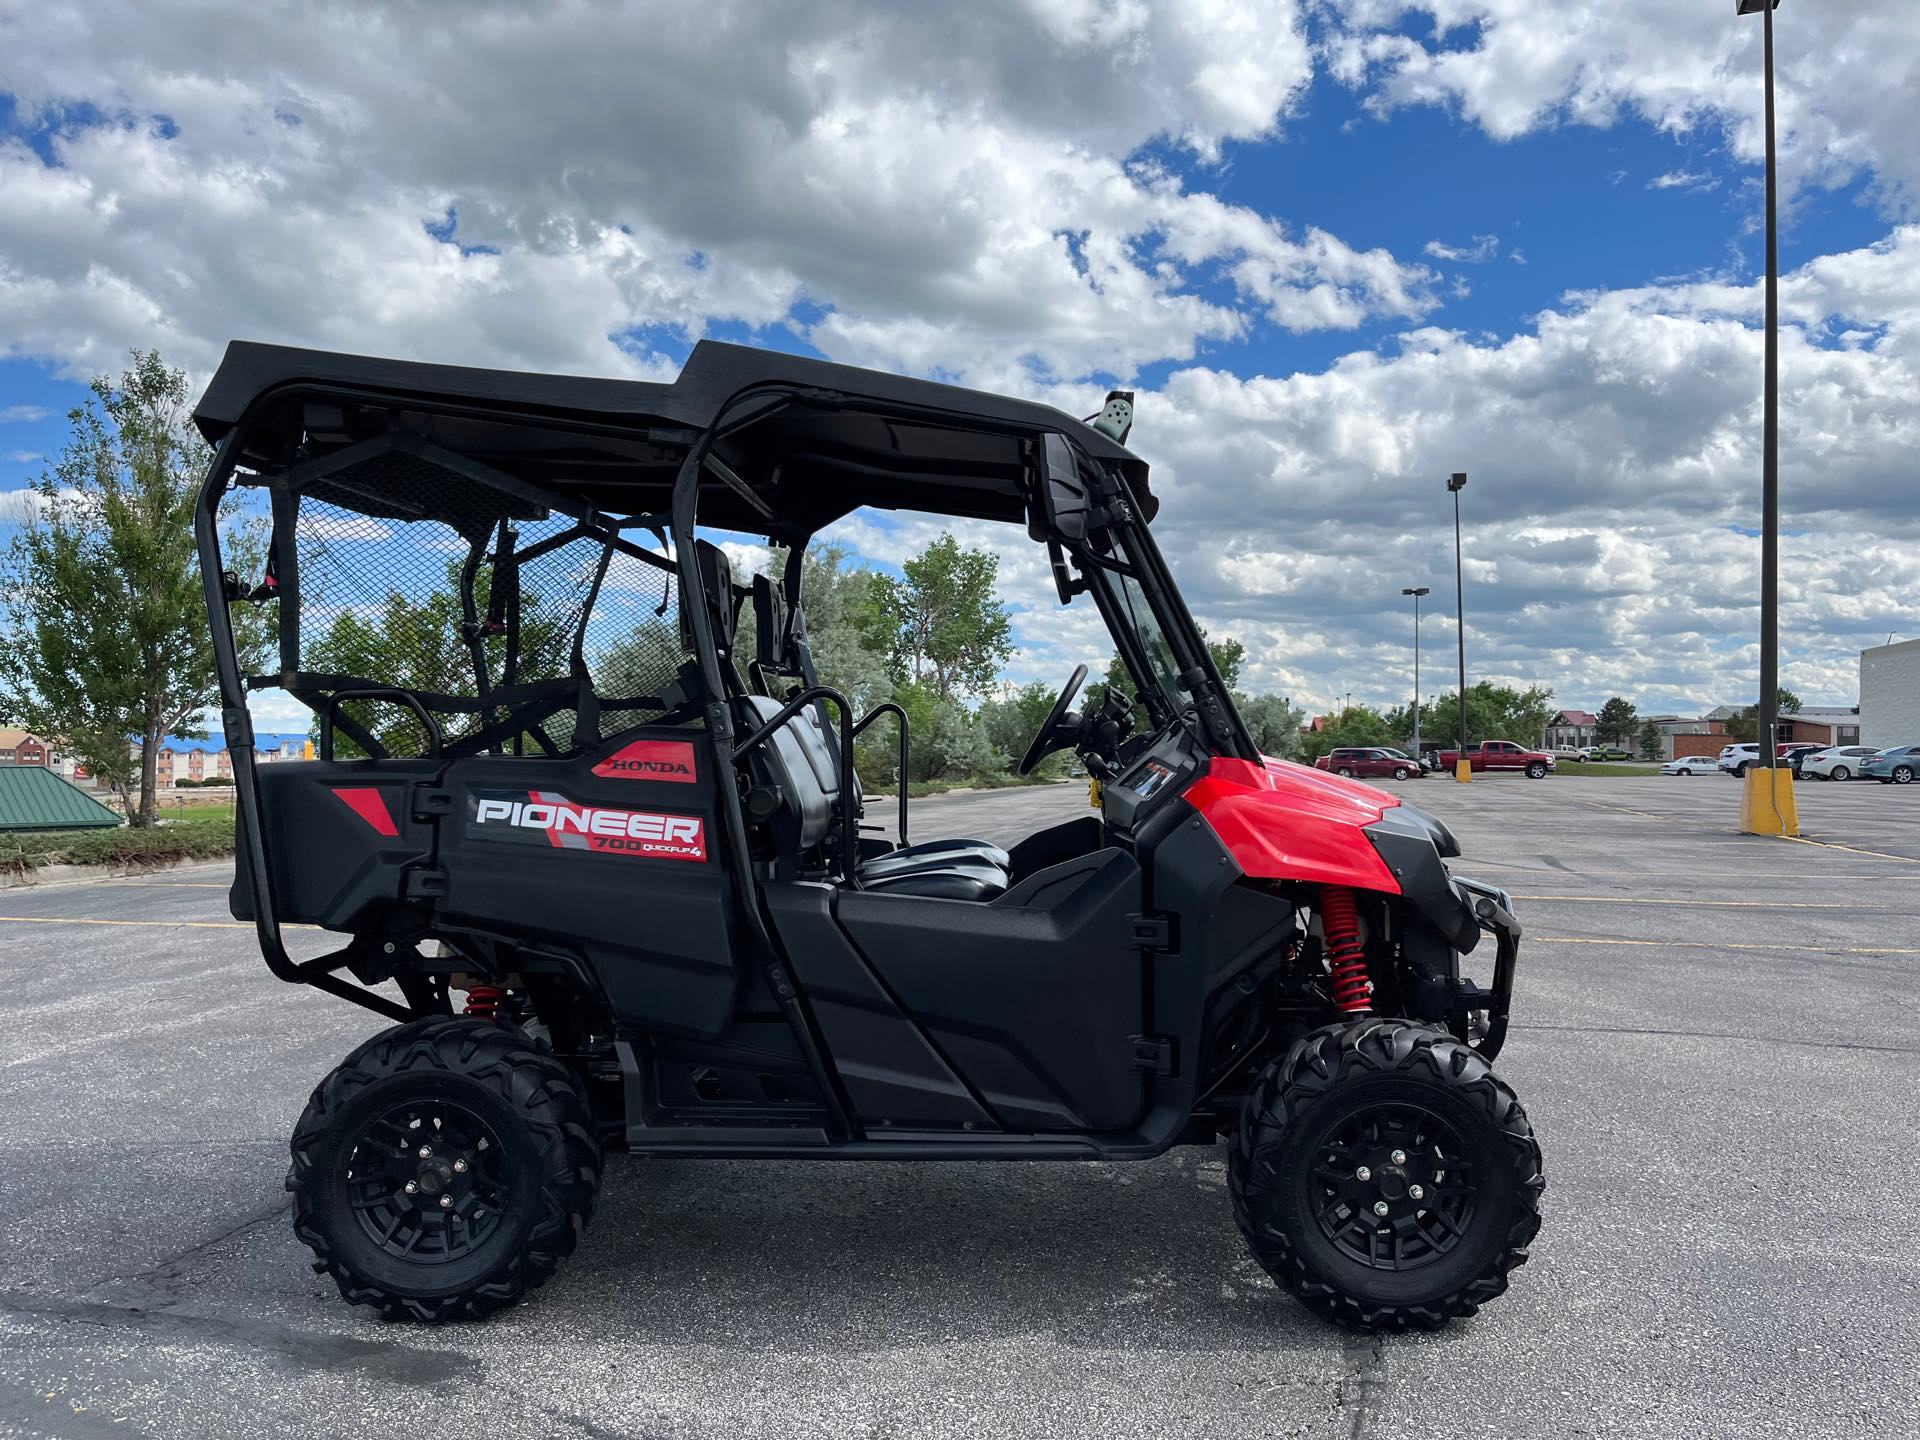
pixel 1536 771
pixel 1399 772
pixel 1383 1174
pixel 443 1170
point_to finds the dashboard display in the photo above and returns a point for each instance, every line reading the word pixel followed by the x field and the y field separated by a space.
pixel 1152 777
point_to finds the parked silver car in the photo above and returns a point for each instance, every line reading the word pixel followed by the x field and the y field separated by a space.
pixel 1692 765
pixel 1837 762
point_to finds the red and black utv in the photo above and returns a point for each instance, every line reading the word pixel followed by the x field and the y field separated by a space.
pixel 614 870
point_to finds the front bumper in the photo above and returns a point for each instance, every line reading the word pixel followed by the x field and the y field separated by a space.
pixel 1492 909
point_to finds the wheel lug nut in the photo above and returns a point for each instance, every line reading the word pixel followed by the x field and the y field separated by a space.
pixel 460 1167
pixel 446 1202
pixel 426 1152
pixel 412 1188
pixel 1363 1173
pixel 1416 1193
pixel 1380 1207
pixel 1399 1157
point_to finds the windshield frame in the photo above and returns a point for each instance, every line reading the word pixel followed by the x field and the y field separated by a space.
pixel 1120 565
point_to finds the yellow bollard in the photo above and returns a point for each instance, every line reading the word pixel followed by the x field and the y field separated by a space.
pixel 1766 802
pixel 1463 770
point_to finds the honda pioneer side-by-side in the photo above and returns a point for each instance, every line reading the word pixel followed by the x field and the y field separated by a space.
pixel 601 860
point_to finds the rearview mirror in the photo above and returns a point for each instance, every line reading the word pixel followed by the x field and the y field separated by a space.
pixel 1063 492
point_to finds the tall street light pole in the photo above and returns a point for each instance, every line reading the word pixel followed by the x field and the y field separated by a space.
pixel 1456 482
pixel 1416 594
pixel 1767 804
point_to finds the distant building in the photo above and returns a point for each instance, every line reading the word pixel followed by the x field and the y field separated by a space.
pixel 1570 729
pixel 1890 694
pixel 23 747
pixel 211 760
pixel 1825 724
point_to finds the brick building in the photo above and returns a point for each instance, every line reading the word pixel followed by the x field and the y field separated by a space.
pixel 23 747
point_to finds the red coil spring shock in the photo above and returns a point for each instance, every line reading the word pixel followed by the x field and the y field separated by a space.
pixel 1346 961
pixel 483 1001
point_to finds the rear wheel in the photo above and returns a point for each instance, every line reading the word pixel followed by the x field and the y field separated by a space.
pixel 1903 774
pixel 1343 770
pixel 1839 772
pixel 1383 1174
pixel 443 1170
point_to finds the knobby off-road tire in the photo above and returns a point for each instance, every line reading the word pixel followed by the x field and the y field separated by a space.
pixel 1303 1135
pixel 514 1157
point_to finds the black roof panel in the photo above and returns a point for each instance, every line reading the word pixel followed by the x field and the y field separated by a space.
pixel 884 440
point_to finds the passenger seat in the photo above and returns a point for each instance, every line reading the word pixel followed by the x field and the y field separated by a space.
pixel 805 768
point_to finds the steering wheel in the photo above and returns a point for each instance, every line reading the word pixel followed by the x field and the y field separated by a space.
pixel 1050 739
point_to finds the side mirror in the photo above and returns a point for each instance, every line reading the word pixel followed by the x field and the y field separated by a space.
pixel 1063 580
pixel 1063 491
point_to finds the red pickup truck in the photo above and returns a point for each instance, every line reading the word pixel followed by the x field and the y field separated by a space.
pixel 1500 755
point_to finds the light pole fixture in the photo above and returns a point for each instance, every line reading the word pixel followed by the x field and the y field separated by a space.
pixel 1416 594
pixel 1456 482
pixel 1766 802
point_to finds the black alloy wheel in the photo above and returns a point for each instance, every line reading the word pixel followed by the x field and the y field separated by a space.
pixel 429 1181
pixel 1385 1176
pixel 444 1169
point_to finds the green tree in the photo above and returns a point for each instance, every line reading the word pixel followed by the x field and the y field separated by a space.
pixel 1274 722
pixel 1494 712
pixel 1616 721
pixel 106 637
pixel 1228 656
pixel 1745 726
pixel 1355 725
pixel 1012 718
pixel 944 625
pixel 1649 740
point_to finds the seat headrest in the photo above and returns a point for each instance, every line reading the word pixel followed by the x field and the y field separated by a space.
pixel 716 578
pixel 769 621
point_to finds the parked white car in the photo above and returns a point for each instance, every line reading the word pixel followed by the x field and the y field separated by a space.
pixel 1837 762
pixel 1692 765
pixel 1738 759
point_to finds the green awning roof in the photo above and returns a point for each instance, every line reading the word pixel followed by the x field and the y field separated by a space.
pixel 32 797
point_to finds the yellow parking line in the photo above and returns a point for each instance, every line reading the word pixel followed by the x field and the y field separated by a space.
pixel 1810 948
pixel 1711 904
pixel 1849 849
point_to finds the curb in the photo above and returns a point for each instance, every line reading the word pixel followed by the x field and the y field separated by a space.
pixel 86 874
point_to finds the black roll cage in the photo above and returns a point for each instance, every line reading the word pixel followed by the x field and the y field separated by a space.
pixel 1211 702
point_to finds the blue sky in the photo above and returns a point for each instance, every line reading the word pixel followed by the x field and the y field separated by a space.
pixel 1339 257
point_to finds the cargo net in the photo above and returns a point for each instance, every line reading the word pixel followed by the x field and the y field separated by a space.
pixel 493 631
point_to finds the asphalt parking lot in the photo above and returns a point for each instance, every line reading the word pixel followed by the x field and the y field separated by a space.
pixel 1714 1038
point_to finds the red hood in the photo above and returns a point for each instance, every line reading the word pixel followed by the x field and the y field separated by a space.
pixel 1283 821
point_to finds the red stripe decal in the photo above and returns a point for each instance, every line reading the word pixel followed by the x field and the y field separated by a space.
pixel 371 806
